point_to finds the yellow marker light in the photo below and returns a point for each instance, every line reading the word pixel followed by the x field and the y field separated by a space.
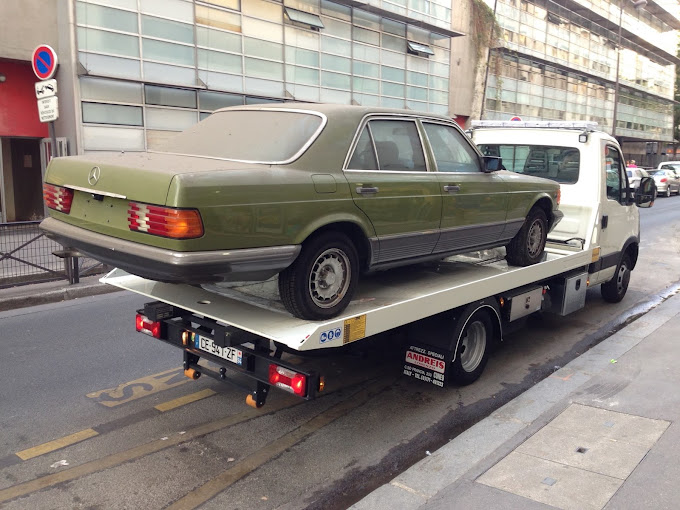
pixel 185 338
pixel 501 301
pixel 596 255
pixel 322 383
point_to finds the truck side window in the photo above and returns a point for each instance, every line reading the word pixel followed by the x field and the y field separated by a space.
pixel 615 174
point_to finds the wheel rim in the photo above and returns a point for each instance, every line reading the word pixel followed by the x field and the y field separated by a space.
pixel 329 278
pixel 622 279
pixel 535 238
pixel 472 346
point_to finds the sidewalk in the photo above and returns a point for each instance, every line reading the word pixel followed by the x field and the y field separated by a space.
pixel 51 292
pixel 598 433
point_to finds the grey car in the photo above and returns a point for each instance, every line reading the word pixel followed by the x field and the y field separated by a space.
pixel 667 180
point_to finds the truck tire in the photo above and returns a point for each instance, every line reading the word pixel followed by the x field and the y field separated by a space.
pixel 320 283
pixel 615 289
pixel 473 338
pixel 526 248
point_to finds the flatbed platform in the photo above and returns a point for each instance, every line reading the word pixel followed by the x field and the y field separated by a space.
pixel 384 300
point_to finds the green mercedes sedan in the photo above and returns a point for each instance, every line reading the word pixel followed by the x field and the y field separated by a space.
pixel 314 193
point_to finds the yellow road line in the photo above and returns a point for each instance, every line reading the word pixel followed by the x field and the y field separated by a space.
pixel 140 451
pixel 186 399
pixel 62 442
pixel 249 464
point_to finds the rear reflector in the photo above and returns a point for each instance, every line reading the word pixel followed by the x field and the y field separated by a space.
pixel 165 221
pixel 58 198
pixel 288 380
pixel 144 325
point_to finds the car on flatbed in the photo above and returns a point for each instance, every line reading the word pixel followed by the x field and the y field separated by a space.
pixel 314 193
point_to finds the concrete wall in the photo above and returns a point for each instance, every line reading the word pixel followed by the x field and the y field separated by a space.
pixel 467 70
pixel 20 34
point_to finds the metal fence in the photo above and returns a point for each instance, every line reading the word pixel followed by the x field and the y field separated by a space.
pixel 28 256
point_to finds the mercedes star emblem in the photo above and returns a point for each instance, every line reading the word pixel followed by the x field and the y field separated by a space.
pixel 93 176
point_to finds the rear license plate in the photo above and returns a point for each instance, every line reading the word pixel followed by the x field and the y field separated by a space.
pixel 228 353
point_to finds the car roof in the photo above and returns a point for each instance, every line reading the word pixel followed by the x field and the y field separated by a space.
pixel 338 110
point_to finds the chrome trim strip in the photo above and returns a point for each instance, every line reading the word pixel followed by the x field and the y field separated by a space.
pixel 94 191
pixel 482 225
pixel 303 149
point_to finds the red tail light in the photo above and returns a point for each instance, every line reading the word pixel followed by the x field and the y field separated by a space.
pixel 144 325
pixel 288 380
pixel 58 198
pixel 663 179
pixel 165 221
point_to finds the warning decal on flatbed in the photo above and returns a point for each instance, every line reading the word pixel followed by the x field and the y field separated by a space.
pixel 425 364
pixel 355 329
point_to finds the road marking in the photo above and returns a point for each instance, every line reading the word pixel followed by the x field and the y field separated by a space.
pixel 250 463
pixel 132 390
pixel 186 399
pixel 116 459
pixel 62 442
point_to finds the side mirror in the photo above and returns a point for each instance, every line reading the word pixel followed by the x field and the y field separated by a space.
pixel 491 164
pixel 646 193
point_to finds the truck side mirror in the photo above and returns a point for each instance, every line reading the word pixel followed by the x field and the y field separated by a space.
pixel 491 164
pixel 646 192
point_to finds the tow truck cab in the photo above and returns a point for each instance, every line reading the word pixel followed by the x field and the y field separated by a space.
pixel 600 206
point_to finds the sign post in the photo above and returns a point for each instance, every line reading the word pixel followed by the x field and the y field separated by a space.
pixel 44 64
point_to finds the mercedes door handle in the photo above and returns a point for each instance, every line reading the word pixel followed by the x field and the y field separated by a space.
pixel 368 190
pixel 452 188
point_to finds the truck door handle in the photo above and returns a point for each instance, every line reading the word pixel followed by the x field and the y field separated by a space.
pixel 452 188
pixel 368 190
pixel 605 221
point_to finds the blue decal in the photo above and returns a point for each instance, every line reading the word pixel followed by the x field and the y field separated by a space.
pixel 196 339
pixel 331 334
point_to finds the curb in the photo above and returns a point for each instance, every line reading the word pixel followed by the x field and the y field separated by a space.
pixel 56 295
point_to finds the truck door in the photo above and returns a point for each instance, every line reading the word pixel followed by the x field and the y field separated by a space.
pixel 618 220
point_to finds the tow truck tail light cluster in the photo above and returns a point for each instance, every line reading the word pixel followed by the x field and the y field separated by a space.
pixel 288 380
pixel 165 221
pixel 58 197
pixel 148 327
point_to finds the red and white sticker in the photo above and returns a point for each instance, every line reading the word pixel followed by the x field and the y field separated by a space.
pixel 424 361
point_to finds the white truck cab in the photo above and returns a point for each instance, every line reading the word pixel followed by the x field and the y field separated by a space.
pixel 599 206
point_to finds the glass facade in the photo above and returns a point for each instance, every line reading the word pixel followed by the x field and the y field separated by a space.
pixel 157 66
pixel 557 64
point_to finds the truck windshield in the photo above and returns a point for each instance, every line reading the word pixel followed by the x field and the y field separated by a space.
pixel 560 164
pixel 261 136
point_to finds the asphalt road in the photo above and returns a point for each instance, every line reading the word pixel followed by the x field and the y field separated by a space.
pixel 95 415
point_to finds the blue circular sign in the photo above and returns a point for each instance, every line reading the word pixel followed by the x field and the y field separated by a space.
pixel 44 62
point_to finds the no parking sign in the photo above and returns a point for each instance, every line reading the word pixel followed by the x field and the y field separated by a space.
pixel 44 62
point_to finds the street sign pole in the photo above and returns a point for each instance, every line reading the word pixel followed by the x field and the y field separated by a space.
pixel 53 138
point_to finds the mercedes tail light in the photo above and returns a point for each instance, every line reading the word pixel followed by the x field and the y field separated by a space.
pixel 58 197
pixel 165 221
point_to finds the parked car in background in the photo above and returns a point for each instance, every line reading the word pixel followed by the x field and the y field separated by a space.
pixel 667 179
pixel 316 193
pixel 634 176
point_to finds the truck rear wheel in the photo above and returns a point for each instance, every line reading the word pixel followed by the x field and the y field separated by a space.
pixel 473 337
pixel 320 283
pixel 526 248
pixel 615 289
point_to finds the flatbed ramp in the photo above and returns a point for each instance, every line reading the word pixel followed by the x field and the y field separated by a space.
pixel 384 300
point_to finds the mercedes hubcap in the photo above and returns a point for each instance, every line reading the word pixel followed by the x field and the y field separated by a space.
pixel 329 278
pixel 535 238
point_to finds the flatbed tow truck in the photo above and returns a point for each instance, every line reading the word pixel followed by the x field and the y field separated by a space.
pixel 453 311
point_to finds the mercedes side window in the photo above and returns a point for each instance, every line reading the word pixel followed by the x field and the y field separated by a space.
pixel 398 145
pixel 364 154
pixel 615 174
pixel 451 152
